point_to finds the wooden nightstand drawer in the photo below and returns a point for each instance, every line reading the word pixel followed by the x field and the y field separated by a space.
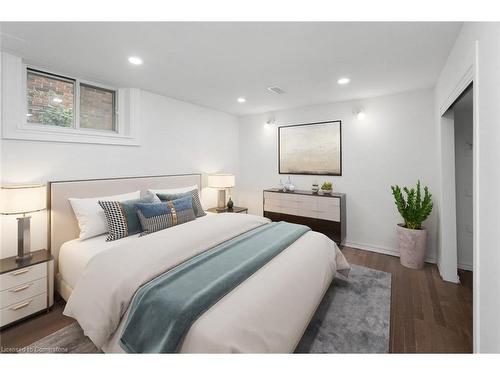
pixel 23 308
pixel 22 292
pixel 22 276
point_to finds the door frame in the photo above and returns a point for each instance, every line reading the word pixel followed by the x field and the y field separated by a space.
pixel 447 259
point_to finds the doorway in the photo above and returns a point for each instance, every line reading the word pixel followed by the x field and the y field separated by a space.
pixel 463 119
pixel 457 161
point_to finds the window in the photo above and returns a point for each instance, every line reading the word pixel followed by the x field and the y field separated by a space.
pixel 54 100
pixel 50 99
pixel 41 105
pixel 97 108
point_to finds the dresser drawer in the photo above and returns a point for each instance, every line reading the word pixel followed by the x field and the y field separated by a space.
pixel 327 203
pixel 270 195
pixel 272 207
pixel 304 212
pixel 308 205
pixel 22 292
pixel 23 308
pixel 289 198
pixel 332 214
pixel 23 276
pixel 306 199
pixel 272 201
pixel 289 210
pixel 290 204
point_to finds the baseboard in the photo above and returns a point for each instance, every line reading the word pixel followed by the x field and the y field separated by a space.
pixel 381 250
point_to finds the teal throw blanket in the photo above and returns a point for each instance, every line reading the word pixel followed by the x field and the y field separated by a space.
pixel 164 309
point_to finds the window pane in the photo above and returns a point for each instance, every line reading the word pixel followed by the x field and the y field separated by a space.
pixel 50 100
pixel 97 108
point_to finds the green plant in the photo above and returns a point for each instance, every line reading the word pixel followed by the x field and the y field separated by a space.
pixel 414 209
pixel 326 186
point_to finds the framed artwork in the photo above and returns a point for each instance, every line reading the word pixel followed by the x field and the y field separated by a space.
pixel 311 149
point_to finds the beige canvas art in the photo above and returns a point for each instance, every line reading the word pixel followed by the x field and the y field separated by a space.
pixel 310 149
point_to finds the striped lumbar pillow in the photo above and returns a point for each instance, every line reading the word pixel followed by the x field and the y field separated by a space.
pixel 197 208
pixel 122 218
pixel 158 216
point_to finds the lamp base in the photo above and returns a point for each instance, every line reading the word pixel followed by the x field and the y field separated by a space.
pixel 221 201
pixel 23 239
pixel 24 258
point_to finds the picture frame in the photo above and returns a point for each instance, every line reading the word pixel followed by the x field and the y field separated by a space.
pixel 310 149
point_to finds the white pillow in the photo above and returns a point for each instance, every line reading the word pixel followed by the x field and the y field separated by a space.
pixel 173 191
pixel 90 215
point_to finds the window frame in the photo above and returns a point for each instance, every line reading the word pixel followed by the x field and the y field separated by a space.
pixel 115 104
pixel 14 124
pixel 76 102
pixel 55 77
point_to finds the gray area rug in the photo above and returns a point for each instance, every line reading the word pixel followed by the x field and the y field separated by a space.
pixel 354 317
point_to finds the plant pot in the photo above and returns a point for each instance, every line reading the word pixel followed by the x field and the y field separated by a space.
pixel 412 246
pixel 326 191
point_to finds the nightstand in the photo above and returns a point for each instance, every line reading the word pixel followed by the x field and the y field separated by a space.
pixel 238 210
pixel 25 288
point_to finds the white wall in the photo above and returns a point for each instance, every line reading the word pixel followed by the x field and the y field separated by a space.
pixel 393 145
pixel 485 60
pixel 463 185
pixel 176 137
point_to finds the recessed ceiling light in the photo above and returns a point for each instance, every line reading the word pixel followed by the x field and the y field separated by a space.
pixel 135 60
pixel 57 100
pixel 241 100
pixel 343 81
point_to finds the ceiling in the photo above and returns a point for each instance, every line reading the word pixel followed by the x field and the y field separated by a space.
pixel 214 63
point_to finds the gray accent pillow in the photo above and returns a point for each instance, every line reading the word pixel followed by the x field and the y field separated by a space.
pixel 122 217
pixel 158 216
pixel 197 208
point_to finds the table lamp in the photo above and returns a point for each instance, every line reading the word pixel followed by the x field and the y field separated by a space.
pixel 20 200
pixel 221 182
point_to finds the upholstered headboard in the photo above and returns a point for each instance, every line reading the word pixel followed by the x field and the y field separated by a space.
pixel 63 225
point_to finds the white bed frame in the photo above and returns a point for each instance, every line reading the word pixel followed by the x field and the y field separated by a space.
pixel 62 223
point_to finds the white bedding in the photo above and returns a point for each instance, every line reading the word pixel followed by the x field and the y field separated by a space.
pixel 267 313
pixel 75 254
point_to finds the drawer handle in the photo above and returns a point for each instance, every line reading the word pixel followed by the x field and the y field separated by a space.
pixel 20 272
pixel 21 288
pixel 21 305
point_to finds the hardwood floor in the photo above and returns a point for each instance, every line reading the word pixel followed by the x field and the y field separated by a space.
pixel 428 315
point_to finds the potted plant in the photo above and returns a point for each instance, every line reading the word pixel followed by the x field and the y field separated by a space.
pixel 326 188
pixel 412 236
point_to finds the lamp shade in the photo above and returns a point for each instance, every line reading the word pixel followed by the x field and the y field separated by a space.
pixel 22 199
pixel 221 181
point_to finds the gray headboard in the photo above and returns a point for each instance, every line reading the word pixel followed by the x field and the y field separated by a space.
pixel 63 225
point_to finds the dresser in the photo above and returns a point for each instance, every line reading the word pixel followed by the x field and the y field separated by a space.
pixel 25 288
pixel 322 213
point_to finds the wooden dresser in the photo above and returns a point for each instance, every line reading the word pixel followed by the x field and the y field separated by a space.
pixel 322 213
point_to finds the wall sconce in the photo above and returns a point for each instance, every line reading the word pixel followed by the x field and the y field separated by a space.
pixel 359 112
pixel 271 122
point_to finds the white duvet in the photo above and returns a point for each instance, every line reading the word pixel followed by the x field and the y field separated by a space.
pixel 267 313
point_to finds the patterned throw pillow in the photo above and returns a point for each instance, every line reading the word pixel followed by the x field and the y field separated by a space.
pixel 158 216
pixel 197 208
pixel 122 218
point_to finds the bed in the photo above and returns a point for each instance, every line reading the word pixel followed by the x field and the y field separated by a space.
pixel 266 313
